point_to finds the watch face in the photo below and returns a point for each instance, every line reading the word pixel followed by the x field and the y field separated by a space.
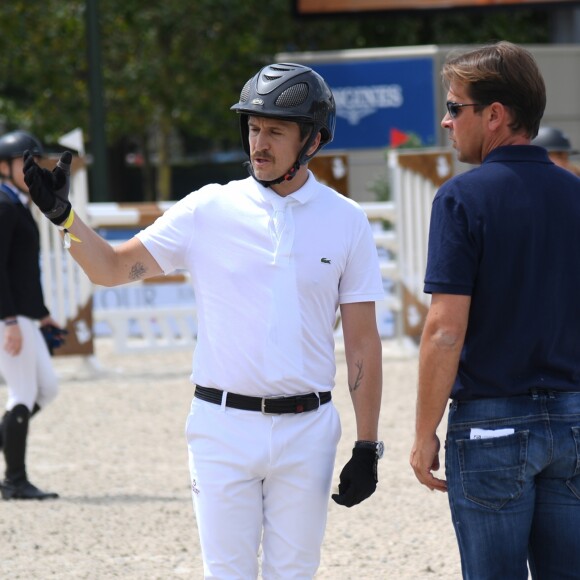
pixel 380 449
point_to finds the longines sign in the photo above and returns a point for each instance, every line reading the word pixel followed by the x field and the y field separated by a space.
pixel 378 97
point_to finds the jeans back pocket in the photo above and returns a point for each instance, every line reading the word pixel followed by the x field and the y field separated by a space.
pixel 492 470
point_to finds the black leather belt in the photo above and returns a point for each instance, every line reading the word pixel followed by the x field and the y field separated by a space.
pixel 267 405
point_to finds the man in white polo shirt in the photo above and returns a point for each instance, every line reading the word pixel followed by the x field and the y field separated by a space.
pixel 271 258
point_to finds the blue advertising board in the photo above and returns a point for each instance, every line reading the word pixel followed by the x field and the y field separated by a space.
pixel 382 103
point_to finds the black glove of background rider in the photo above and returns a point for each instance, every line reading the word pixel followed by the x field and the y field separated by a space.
pixel 358 478
pixel 53 336
pixel 49 189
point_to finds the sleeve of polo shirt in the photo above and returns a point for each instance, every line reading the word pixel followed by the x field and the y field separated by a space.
pixel 453 254
pixel 169 237
pixel 361 280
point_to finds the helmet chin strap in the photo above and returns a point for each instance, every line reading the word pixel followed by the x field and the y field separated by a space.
pixel 288 176
pixel 303 158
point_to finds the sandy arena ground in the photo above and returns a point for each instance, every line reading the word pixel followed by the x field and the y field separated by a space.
pixel 113 446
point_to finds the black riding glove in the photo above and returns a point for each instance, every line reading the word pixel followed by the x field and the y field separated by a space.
pixel 53 336
pixel 358 478
pixel 49 189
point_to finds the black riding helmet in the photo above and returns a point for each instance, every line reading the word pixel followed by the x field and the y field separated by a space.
pixel 14 144
pixel 291 92
pixel 553 139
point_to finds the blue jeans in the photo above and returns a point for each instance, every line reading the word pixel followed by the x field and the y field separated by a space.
pixel 515 494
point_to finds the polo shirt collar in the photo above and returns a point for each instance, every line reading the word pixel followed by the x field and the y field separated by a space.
pixel 525 153
pixel 302 196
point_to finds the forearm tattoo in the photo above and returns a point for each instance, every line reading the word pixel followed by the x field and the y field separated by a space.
pixel 137 271
pixel 359 376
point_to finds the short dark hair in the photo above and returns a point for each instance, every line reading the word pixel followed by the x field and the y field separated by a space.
pixel 305 130
pixel 505 73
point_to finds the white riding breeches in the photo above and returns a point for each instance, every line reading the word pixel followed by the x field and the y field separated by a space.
pixel 261 477
pixel 29 375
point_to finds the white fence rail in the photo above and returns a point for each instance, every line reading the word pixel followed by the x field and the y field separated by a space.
pixel 415 177
pixel 148 329
pixel 67 290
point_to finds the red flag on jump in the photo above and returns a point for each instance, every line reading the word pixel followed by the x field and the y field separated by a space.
pixel 398 138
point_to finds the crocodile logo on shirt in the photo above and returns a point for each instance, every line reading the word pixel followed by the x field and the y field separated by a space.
pixel 325 260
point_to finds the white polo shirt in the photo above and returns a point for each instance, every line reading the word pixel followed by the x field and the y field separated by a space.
pixel 267 302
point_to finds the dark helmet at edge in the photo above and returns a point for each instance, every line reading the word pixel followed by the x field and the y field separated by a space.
pixel 291 92
pixel 553 139
pixel 15 143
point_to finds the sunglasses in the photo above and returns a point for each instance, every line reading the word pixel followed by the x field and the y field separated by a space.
pixel 453 108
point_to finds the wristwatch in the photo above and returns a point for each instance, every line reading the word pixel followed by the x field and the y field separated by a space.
pixel 378 446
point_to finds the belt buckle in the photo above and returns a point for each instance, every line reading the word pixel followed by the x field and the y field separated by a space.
pixel 263 404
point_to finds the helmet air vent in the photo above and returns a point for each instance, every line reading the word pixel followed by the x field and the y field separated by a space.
pixel 245 92
pixel 293 96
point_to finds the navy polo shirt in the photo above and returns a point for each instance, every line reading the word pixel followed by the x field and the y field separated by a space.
pixel 507 233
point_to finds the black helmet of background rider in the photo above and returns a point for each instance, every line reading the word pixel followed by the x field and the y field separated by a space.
pixel 291 92
pixel 14 144
pixel 553 139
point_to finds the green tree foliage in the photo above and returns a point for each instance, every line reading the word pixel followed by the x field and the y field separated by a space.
pixel 42 67
pixel 172 69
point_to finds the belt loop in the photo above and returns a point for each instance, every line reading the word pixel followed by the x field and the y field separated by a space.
pixel 224 400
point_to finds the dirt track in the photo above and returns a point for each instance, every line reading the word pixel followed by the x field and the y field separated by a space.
pixel 113 447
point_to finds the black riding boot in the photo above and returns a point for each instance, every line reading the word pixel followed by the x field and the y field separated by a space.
pixel 34 411
pixel 2 430
pixel 15 433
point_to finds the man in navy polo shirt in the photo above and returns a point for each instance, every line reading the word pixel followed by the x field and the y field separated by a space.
pixel 502 338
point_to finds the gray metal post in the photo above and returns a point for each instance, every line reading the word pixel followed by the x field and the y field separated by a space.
pixel 566 26
pixel 98 147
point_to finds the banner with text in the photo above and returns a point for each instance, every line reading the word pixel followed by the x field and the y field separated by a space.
pixel 382 103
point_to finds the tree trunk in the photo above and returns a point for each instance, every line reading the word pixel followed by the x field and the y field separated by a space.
pixel 147 169
pixel 164 167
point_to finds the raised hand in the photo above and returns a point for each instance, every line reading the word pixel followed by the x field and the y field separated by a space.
pixel 49 190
